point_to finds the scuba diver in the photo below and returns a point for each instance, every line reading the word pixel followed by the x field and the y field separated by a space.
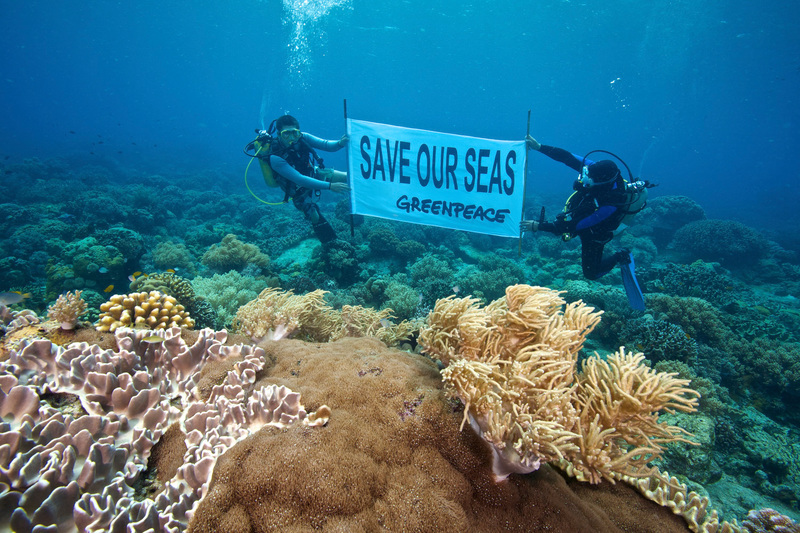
pixel 288 161
pixel 602 201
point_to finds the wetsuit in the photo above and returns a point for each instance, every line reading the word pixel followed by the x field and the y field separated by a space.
pixel 593 213
pixel 295 175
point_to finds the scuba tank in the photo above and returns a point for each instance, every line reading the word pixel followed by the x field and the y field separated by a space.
pixel 635 199
pixel 635 193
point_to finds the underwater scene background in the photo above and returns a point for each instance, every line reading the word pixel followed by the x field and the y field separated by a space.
pixel 121 153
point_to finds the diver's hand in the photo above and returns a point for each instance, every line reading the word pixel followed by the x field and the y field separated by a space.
pixel 529 225
pixel 532 143
pixel 339 188
pixel 343 141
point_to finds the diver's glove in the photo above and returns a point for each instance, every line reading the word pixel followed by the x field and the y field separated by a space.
pixel 528 225
pixel 532 143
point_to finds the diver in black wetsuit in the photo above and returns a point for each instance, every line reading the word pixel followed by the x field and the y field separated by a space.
pixel 597 207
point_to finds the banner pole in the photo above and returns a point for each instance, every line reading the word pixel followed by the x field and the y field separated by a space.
pixel 347 159
pixel 524 185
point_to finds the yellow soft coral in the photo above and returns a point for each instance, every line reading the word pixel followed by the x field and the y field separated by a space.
pixel 513 364
pixel 278 314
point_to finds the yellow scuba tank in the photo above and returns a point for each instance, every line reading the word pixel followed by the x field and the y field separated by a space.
pixel 262 144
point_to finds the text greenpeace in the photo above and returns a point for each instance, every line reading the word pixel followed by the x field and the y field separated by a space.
pixel 437 179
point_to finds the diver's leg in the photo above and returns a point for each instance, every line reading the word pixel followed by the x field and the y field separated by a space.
pixel 322 228
pixel 591 258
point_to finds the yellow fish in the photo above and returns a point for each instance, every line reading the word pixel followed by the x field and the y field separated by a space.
pixel 170 271
pixel 153 338
pixel 109 288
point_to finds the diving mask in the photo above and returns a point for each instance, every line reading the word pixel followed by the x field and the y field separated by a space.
pixel 584 177
pixel 290 135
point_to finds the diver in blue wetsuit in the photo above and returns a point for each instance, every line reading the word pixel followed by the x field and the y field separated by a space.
pixel 600 203
pixel 300 174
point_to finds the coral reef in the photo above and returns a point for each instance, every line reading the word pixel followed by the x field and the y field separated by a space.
pixel 513 363
pixel 67 310
pixel 226 293
pixel 233 254
pixel 142 309
pixel 173 255
pixel 659 340
pixel 665 215
pixel 392 458
pixel 729 242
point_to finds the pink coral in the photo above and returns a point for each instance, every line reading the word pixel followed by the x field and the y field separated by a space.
pixel 767 520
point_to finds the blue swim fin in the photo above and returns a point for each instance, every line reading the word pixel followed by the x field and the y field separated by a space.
pixel 628 270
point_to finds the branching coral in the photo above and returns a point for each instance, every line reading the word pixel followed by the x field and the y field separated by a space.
pixel 513 363
pixel 144 310
pixel 68 309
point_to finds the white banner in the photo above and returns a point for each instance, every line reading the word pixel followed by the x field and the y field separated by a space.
pixel 436 179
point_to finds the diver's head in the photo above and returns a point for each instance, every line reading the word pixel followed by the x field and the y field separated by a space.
pixel 288 129
pixel 603 172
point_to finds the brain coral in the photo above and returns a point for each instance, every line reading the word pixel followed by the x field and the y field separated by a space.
pixel 142 309
pixel 392 459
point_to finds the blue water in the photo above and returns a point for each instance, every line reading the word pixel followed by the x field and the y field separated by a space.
pixel 701 97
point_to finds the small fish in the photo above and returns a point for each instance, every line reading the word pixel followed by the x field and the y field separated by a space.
pixel 170 271
pixel 456 289
pixel 102 270
pixel 385 323
pixel 109 288
pixel 10 298
pixel 153 338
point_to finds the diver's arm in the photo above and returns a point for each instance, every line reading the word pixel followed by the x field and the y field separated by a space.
pixel 558 227
pixel 322 144
pixel 563 156
pixel 286 170
pixel 595 218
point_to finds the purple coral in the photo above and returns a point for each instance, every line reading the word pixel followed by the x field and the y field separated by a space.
pixel 769 520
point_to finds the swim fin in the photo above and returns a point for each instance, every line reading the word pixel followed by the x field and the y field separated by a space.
pixel 628 270
pixel 323 230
